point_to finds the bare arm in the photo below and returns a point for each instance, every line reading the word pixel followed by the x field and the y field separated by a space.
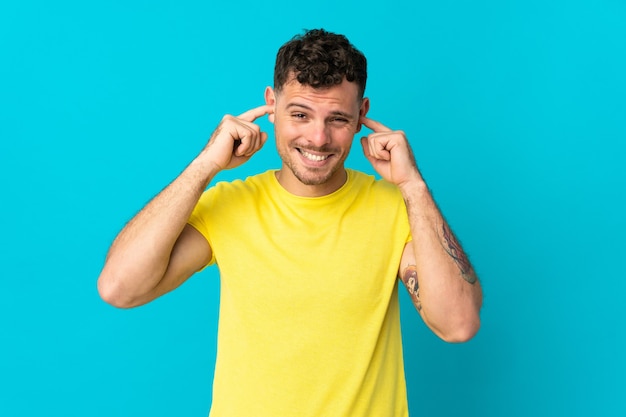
pixel 436 271
pixel 157 251
pixel 434 267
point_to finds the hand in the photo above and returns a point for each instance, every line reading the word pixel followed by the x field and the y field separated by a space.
pixel 236 139
pixel 389 153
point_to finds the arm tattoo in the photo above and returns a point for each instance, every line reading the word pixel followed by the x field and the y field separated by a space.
pixel 409 277
pixel 453 248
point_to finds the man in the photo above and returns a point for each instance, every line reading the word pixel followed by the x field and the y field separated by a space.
pixel 309 254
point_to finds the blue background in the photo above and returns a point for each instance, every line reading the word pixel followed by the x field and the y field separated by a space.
pixel 515 110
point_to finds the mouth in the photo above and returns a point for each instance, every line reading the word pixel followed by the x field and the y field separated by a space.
pixel 313 157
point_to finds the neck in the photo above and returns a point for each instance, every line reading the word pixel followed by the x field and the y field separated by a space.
pixel 295 186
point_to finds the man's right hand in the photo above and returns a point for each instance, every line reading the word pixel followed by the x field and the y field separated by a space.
pixel 236 139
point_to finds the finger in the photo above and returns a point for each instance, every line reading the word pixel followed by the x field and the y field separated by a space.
pixel 366 148
pixel 252 143
pixel 378 148
pixel 253 114
pixel 245 137
pixel 260 141
pixel 374 125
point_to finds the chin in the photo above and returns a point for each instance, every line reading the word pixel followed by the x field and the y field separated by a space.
pixel 310 177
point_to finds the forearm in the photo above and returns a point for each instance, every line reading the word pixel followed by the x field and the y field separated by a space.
pixel 449 296
pixel 155 253
pixel 139 256
pixel 440 279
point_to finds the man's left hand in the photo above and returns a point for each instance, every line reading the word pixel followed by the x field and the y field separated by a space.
pixel 389 153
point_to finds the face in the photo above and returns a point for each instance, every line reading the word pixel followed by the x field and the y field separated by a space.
pixel 314 129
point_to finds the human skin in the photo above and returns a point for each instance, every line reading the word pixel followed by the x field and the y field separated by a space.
pixel 314 130
pixel 157 250
pixel 434 267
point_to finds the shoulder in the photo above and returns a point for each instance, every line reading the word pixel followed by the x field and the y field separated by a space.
pixel 381 202
pixel 251 185
pixel 228 201
pixel 368 184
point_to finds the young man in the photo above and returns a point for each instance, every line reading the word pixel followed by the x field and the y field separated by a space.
pixel 310 254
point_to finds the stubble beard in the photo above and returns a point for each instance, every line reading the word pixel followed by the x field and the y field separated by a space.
pixel 311 175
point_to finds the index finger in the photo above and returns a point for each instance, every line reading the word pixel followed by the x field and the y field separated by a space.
pixel 253 114
pixel 374 125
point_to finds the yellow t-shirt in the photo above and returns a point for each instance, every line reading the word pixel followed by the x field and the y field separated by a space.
pixel 309 317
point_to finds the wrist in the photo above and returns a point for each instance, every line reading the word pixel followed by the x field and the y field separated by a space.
pixel 204 168
pixel 414 186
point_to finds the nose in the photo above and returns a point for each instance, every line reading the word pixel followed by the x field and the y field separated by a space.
pixel 319 134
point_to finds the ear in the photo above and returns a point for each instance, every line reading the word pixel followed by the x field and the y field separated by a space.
pixel 365 107
pixel 270 100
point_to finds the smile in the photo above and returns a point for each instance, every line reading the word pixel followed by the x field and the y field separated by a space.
pixel 311 157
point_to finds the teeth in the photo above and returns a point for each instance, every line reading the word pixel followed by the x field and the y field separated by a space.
pixel 313 157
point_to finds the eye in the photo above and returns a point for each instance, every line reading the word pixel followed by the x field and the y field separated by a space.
pixel 300 116
pixel 339 120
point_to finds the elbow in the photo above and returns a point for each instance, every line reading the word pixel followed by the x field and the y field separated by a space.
pixel 112 293
pixel 463 330
pixel 464 323
pixel 455 330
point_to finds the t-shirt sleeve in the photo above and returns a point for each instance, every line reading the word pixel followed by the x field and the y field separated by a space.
pixel 198 217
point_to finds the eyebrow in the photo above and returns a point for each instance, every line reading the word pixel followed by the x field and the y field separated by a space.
pixel 333 113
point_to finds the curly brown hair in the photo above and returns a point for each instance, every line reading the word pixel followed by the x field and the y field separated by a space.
pixel 320 59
